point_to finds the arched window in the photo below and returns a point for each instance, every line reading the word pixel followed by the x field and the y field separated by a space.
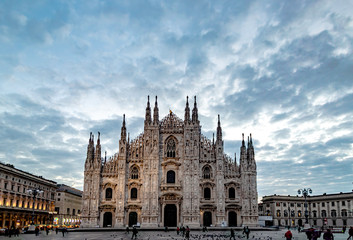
pixel 299 213
pixel 314 214
pixel 323 213
pixel 108 194
pixel 206 172
pixel 292 214
pixel 278 213
pixel 333 213
pixel 171 148
pixel 207 193
pixel 285 213
pixel 134 173
pixel 133 193
pixel 231 193
pixel 344 213
pixel 170 176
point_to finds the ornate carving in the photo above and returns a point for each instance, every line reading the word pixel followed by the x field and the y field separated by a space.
pixel 171 145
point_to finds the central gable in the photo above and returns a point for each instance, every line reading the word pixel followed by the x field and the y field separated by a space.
pixel 172 124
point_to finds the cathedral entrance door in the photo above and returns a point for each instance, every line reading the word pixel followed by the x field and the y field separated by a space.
pixel 232 219
pixel 107 219
pixel 207 219
pixel 132 219
pixel 170 215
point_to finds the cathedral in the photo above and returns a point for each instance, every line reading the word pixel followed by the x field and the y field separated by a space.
pixel 170 175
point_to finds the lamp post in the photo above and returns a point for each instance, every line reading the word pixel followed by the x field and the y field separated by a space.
pixel 34 192
pixel 289 222
pixel 305 192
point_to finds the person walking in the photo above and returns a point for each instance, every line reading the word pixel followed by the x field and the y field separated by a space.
pixel 187 232
pixel 288 235
pixel 178 230
pixel 246 230
pixel 328 235
pixel 36 231
pixel 316 235
pixel 350 233
pixel 232 234
pixel 134 233
pixel 309 233
pixel 183 231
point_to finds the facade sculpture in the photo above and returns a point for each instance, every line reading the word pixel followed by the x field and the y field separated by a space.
pixel 169 175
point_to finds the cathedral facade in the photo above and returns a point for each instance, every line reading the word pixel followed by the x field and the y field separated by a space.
pixel 170 175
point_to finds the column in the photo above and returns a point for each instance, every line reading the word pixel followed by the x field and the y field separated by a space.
pixel 3 220
pixel 177 207
pixel 10 222
pixel 163 206
pixel 328 213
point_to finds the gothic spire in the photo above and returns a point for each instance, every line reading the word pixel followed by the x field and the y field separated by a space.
pixel 155 113
pixel 123 129
pixel 90 148
pixel 90 151
pixel 243 155
pixel 148 112
pixel 187 111
pixel 98 155
pixel 219 130
pixel 195 116
pixel 252 161
pixel 90 139
pixel 251 141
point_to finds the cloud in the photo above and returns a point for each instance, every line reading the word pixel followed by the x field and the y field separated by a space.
pixel 281 71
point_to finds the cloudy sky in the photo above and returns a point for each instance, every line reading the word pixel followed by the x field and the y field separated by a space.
pixel 281 70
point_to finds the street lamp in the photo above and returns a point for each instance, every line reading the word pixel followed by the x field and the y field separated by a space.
pixel 305 192
pixel 289 222
pixel 34 192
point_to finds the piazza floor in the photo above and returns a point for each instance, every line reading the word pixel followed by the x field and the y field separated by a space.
pixel 214 235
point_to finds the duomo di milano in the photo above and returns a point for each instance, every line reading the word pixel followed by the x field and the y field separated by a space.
pixel 170 175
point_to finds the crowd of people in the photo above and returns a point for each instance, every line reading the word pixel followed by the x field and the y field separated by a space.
pixel 311 233
pixel 12 232
pixel 315 234
pixel 15 232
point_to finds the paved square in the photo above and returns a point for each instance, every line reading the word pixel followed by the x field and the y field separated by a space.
pixel 151 235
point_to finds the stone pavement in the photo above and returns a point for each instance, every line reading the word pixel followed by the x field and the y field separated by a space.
pixel 159 235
